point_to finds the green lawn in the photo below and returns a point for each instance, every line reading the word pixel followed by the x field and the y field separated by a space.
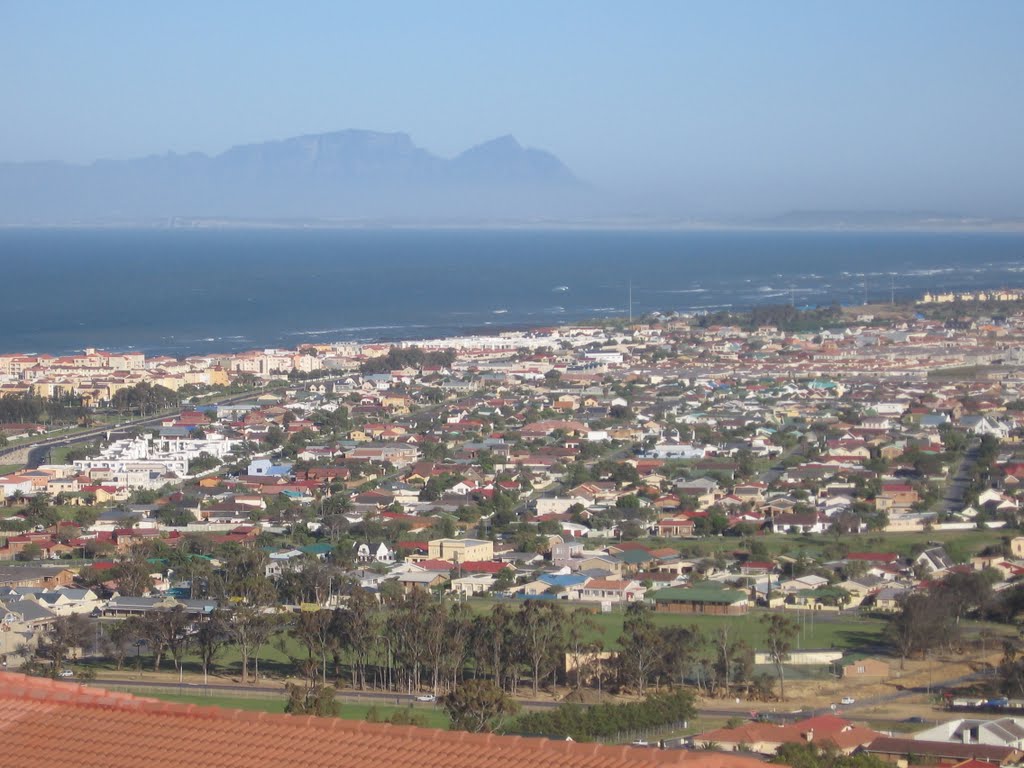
pixel 817 546
pixel 827 631
pixel 434 717
pixel 831 632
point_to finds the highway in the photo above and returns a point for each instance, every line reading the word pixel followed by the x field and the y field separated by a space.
pixel 34 454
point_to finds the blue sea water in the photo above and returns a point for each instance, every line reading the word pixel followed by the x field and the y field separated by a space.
pixel 178 291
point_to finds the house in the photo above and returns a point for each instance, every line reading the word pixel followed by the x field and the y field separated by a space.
pixel 706 598
pixel 766 738
pixel 1017 547
pixel 421 580
pixel 799 522
pixel 896 497
pixel 934 560
pixel 474 584
pixel 985 425
pixel 64 602
pixel 599 562
pixel 1002 732
pixel 675 527
pixel 267 468
pixel 461 550
pixel 612 590
pixel 39 576
pixel 378 552
pixel 865 669
pixel 889 599
pixel 940 753
pixel 123 606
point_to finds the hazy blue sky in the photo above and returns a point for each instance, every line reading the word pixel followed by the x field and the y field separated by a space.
pixel 703 107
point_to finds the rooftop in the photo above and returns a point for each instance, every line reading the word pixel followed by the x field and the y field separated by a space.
pixel 52 724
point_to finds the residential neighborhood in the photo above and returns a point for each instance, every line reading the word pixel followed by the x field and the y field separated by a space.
pixel 761 516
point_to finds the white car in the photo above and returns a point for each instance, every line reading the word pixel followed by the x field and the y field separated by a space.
pixel 847 700
pixel 66 673
pixel 428 698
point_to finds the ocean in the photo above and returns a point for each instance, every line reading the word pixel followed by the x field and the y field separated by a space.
pixel 181 291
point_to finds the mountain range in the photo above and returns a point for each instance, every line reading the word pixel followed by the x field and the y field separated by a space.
pixel 344 176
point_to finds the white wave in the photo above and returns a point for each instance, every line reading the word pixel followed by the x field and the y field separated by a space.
pixel 354 328
pixel 929 272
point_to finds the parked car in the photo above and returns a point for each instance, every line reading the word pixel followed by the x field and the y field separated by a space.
pixel 66 673
pixel 847 700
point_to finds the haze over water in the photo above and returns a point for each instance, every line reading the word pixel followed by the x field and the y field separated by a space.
pixel 179 292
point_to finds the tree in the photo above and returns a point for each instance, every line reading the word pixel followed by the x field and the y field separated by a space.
pixel 311 700
pixel 313 630
pixel 249 629
pixel 120 639
pixel 809 755
pixel 642 648
pixel 681 644
pixel 478 706
pixel 65 635
pixel 605 721
pixel 133 577
pixel 355 627
pixel 31 551
pixel 166 632
pixel 541 634
pixel 203 463
pixel 580 625
pixel 733 657
pixel 211 638
pixel 779 634
pixel 965 592
pixel 923 621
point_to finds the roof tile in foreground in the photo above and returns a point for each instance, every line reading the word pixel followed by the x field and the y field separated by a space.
pixel 54 724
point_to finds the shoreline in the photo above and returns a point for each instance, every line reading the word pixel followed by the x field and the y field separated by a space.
pixel 476 332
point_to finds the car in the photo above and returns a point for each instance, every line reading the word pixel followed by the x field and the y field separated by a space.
pixel 429 698
pixel 847 700
pixel 66 673
pixel 915 719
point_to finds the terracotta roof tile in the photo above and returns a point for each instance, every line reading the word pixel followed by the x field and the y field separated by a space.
pixel 53 724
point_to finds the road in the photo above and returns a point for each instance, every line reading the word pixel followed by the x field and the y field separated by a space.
pixel 953 500
pixel 726 709
pixel 229 689
pixel 36 453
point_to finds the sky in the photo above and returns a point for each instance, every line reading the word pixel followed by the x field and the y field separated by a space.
pixel 717 108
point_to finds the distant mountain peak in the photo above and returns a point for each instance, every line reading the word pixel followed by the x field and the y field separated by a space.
pixel 517 163
pixel 337 175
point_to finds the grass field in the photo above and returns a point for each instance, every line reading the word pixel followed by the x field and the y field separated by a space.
pixel 818 546
pixel 434 717
pixel 826 631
